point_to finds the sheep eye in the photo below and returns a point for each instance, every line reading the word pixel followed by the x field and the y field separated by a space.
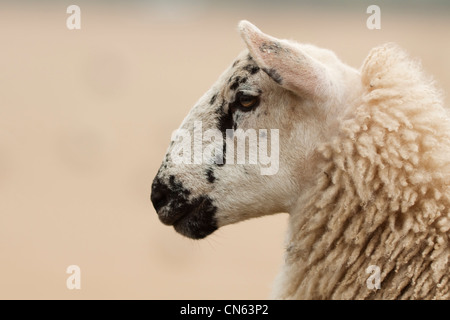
pixel 246 101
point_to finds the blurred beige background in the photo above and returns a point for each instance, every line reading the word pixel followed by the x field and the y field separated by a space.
pixel 85 119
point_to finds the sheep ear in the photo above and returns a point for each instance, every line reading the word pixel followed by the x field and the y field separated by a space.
pixel 284 62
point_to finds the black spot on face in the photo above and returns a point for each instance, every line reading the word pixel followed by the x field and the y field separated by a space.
pixel 235 84
pixel 225 121
pixel 213 99
pixel 237 81
pixel 177 187
pixel 252 69
pixel 210 175
pixel 273 74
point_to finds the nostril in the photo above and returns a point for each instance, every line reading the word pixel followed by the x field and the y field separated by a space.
pixel 159 195
pixel 159 199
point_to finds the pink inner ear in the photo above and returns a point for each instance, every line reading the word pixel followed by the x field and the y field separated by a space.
pixel 283 62
pixel 261 45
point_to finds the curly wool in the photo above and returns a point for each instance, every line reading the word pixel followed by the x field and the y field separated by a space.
pixel 382 196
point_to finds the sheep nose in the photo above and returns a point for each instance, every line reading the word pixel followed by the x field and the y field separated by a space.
pixel 160 195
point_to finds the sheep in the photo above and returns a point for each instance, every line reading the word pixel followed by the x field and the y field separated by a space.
pixel 364 169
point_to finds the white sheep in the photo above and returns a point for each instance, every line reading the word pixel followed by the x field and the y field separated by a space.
pixel 364 169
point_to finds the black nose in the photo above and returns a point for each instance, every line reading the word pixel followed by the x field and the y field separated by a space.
pixel 160 194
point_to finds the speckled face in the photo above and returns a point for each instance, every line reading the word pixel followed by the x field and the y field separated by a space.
pixel 271 89
pixel 182 194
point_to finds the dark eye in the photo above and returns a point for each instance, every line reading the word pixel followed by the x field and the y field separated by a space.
pixel 246 102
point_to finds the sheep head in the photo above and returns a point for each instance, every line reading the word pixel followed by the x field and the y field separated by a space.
pixel 284 98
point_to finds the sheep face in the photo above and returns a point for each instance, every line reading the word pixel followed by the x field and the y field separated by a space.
pixel 281 97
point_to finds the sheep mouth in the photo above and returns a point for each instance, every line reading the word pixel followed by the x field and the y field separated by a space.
pixel 194 219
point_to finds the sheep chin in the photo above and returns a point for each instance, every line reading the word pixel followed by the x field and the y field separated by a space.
pixel 198 220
